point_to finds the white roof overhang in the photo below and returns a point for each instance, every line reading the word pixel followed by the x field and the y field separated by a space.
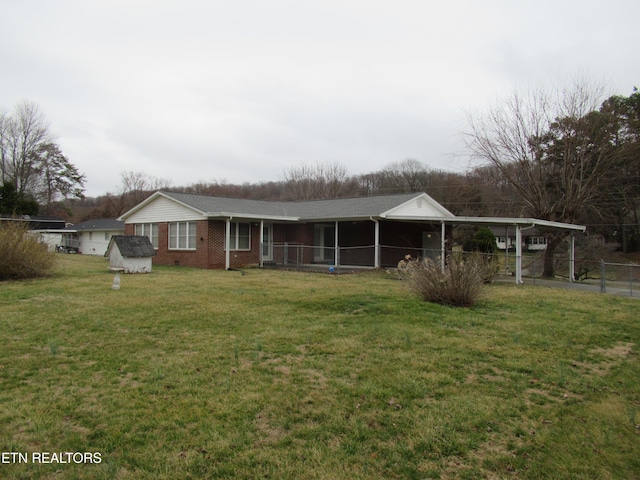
pixel 495 221
pixel 251 216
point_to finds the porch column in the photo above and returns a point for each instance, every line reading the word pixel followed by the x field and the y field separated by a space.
pixel 376 243
pixel 443 251
pixel 506 250
pixel 518 255
pixel 227 244
pixel 572 258
pixel 336 261
pixel 261 243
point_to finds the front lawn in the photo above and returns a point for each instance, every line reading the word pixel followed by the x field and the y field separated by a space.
pixel 187 373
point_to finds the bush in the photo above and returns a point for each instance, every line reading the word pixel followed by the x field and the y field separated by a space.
pixel 21 255
pixel 461 283
pixel 483 241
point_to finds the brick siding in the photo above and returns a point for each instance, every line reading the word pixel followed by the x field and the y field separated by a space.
pixel 405 238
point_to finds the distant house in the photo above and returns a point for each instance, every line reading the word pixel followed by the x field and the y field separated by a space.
pixel 532 239
pixel 47 230
pixel 376 231
pixel 130 254
pixel 91 237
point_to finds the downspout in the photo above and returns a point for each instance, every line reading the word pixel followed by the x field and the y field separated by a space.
pixel 376 242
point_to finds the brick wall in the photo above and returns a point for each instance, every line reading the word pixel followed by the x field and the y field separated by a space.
pixel 406 238
pixel 237 258
pixel 188 258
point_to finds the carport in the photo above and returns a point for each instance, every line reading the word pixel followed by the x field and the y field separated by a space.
pixel 520 224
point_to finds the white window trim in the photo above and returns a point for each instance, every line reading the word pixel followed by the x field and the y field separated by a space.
pixel 181 225
pixel 235 226
pixel 147 231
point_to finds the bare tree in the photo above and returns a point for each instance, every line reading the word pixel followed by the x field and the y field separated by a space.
pixel 408 176
pixel 307 181
pixel 135 187
pixel 550 148
pixel 21 135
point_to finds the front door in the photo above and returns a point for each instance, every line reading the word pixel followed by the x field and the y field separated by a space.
pixel 325 242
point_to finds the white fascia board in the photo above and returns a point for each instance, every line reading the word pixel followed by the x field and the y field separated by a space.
pixel 518 221
pixel 251 216
pixel 524 222
pixel 362 218
pixel 495 221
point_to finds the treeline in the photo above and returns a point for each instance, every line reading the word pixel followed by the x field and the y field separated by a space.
pixel 561 155
pixel 481 191
pixel 477 192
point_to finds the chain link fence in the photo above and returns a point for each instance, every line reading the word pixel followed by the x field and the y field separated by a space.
pixel 607 277
pixel 620 276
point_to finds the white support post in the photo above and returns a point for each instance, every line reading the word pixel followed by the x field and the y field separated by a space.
pixel 337 247
pixel 261 243
pixel 506 250
pixel 518 255
pixel 443 246
pixel 227 244
pixel 572 259
pixel 376 242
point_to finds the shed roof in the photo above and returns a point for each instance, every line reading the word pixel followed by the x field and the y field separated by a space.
pixel 132 246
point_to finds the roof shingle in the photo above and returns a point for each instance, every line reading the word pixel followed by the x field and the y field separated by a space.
pixel 133 246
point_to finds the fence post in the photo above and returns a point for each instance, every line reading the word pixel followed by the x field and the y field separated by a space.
pixel 630 279
pixel 285 259
pixel 603 271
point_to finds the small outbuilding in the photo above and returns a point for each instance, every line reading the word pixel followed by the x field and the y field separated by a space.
pixel 130 254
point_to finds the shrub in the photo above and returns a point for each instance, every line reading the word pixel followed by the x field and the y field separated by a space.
pixel 483 241
pixel 460 284
pixel 21 255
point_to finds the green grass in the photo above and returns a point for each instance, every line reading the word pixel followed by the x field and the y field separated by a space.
pixel 188 373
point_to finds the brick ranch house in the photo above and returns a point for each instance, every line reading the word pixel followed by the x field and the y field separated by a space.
pixel 376 231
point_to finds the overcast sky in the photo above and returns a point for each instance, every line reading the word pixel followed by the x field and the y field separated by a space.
pixel 241 90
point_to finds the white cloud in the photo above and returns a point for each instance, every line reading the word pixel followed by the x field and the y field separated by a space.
pixel 201 90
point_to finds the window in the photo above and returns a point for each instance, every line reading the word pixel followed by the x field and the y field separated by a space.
pixel 148 229
pixel 107 236
pixel 182 236
pixel 240 236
